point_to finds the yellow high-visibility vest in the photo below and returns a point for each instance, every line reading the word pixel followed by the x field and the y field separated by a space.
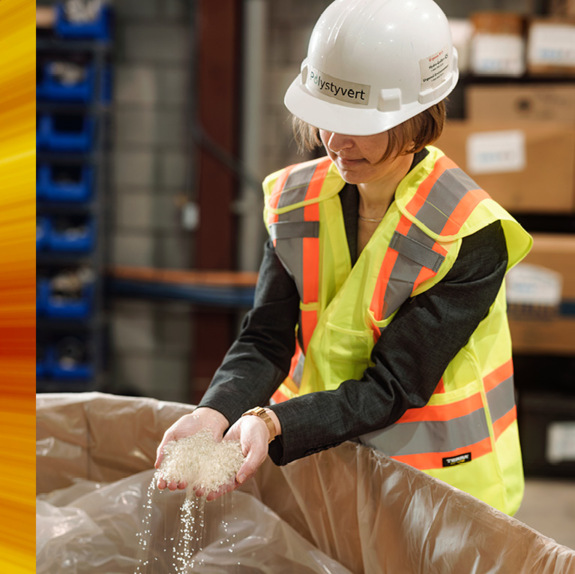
pixel 467 434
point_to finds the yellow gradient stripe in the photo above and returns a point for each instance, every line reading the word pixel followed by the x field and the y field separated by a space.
pixel 17 285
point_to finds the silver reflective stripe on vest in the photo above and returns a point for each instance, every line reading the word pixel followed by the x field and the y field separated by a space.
pixel 501 399
pixel 421 437
pixel 415 249
pixel 298 371
pixel 414 252
pixel 444 197
pixel 417 252
pixel 295 188
pixel 291 227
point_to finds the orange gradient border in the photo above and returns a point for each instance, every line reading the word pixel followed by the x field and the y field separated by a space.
pixel 17 285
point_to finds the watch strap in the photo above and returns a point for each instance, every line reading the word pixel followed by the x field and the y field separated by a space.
pixel 262 414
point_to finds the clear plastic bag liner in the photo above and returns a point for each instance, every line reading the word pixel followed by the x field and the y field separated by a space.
pixel 347 509
pixel 98 528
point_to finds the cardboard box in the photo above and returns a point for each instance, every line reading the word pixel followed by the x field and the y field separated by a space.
pixel 498 44
pixel 562 7
pixel 541 297
pixel 528 167
pixel 551 46
pixel 539 102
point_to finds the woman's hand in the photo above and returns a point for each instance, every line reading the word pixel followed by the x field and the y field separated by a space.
pixel 202 418
pixel 254 437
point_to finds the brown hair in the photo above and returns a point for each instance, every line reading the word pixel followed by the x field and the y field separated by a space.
pixel 410 136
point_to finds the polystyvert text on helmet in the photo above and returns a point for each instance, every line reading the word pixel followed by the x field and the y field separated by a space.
pixel 342 90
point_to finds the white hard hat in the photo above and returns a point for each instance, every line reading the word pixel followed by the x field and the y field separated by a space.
pixel 373 64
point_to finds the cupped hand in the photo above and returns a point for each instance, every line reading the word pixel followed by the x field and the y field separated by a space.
pixel 253 435
pixel 202 418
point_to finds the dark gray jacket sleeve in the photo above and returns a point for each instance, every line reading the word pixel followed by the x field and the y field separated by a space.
pixel 410 356
pixel 259 359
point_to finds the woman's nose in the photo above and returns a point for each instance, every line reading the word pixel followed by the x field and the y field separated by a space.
pixel 338 142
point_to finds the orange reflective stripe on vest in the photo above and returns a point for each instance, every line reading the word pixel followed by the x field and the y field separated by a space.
pixel 443 212
pixel 301 227
pixel 301 252
pixel 437 433
pixel 442 202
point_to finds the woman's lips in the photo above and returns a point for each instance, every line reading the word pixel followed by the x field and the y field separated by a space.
pixel 348 162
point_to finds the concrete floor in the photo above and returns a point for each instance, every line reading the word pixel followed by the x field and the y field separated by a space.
pixel 549 507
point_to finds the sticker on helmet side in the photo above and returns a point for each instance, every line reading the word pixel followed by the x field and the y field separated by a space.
pixel 326 85
pixel 434 69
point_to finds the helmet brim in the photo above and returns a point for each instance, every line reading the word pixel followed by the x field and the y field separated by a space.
pixel 350 120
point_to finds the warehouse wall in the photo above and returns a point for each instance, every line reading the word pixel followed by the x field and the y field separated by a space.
pixel 153 167
pixel 290 26
pixel 151 175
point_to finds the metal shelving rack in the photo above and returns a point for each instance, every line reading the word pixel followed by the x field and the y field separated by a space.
pixel 71 190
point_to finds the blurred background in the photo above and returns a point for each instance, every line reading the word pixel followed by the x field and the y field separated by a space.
pixel 157 121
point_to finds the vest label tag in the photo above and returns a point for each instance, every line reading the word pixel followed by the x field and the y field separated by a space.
pixel 455 460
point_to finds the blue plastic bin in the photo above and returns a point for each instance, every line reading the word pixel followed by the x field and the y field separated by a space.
pixel 79 237
pixel 69 133
pixel 41 179
pixel 56 90
pixel 40 82
pixel 43 228
pixel 42 366
pixel 68 183
pixel 97 29
pixel 106 85
pixel 42 290
pixel 70 358
pixel 41 370
pixel 59 370
pixel 61 307
pixel 42 131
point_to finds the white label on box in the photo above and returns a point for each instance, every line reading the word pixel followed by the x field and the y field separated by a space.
pixel 461 34
pixel 496 152
pixel 498 54
pixel 561 442
pixel 528 284
pixel 552 45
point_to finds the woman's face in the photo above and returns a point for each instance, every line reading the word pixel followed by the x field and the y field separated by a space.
pixel 358 158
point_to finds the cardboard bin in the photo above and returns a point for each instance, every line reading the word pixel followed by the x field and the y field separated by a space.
pixel 345 510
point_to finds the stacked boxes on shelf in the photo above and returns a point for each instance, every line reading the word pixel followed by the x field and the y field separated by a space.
pixel 517 162
pixel 73 90
pixel 541 297
pixel 503 44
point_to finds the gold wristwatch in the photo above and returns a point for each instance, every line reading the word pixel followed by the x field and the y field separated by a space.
pixel 262 414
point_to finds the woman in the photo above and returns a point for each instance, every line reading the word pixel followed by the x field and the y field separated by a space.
pixel 380 308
